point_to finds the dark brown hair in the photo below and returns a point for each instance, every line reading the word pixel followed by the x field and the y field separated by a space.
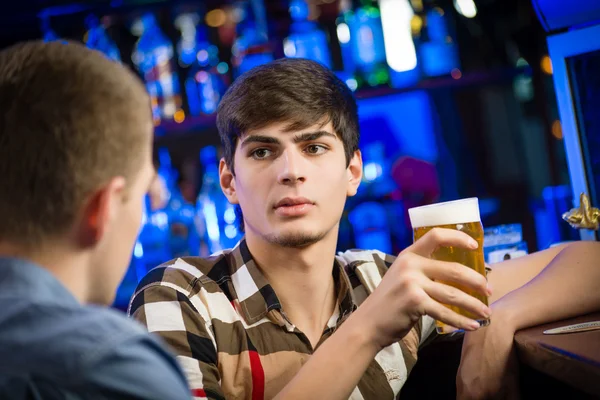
pixel 70 120
pixel 295 91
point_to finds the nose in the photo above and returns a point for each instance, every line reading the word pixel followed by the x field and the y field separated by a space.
pixel 291 168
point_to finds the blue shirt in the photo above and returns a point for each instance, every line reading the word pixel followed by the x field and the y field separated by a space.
pixel 52 347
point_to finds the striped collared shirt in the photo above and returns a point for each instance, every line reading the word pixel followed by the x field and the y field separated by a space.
pixel 232 338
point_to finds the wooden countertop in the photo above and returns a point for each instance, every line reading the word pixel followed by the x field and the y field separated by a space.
pixel 573 358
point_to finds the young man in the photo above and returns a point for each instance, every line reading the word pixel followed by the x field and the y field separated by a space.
pixel 281 315
pixel 75 164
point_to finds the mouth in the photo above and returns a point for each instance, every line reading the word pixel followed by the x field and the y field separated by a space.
pixel 293 206
pixel 293 201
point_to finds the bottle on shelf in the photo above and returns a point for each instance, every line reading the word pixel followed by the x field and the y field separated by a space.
pixel 183 238
pixel 153 56
pixel 438 50
pixel 367 40
pixel 216 218
pixel 96 38
pixel 251 46
pixel 377 214
pixel 206 74
pixel 306 39
pixel 343 23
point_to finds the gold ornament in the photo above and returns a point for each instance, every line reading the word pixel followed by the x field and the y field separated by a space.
pixel 583 217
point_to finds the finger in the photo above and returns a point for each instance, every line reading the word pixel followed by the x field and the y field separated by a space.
pixel 441 237
pixel 443 314
pixel 455 297
pixel 456 273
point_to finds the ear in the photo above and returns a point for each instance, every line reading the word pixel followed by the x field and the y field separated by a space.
pixel 227 181
pixel 100 210
pixel 355 173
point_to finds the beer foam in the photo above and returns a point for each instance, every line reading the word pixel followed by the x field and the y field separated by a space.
pixel 447 213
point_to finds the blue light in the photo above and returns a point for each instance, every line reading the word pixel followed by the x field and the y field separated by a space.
pixel 343 33
pixel 138 250
pixel 159 219
pixel 352 84
pixel 212 222
pixel 203 57
pixel 230 214
pixel 61 10
pixel 402 121
pixel 299 10
pixel 231 231
pixel 372 171
pixel 222 67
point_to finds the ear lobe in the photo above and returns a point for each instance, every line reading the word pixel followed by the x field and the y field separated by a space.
pixel 227 181
pixel 355 173
pixel 99 211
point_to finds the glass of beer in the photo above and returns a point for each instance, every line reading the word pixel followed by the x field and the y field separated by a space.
pixel 461 215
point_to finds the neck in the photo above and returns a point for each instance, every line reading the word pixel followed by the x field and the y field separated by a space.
pixel 301 277
pixel 65 264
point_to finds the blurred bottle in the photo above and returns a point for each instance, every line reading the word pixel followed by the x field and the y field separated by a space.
pixel 306 40
pixel 96 38
pixel 251 47
pixel 399 24
pixel 216 217
pixel 378 219
pixel 48 34
pixel 371 227
pixel 152 246
pixel 153 55
pixel 343 23
pixel 437 50
pixel 205 81
pixel 183 237
pixel 368 44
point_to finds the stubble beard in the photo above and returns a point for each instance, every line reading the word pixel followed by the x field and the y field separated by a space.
pixel 295 240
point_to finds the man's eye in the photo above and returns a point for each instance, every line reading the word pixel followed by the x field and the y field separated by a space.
pixel 260 154
pixel 316 149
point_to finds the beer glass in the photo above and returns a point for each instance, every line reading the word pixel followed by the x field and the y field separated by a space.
pixel 461 215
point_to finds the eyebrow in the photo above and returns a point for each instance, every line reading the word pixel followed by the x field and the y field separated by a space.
pixel 305 137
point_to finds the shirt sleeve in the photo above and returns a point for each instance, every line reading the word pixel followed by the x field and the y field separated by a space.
pixel 138 368
pixel 185 327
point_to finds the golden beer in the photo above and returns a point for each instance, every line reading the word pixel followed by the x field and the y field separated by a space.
pixel 461 215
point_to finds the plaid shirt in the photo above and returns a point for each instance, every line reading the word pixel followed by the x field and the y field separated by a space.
pixel 226 325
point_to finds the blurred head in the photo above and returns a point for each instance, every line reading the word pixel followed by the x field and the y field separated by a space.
pixel 290 134
pixel 76 142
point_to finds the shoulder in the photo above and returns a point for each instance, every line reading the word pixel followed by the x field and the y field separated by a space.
pixel 180 286
pixel 139 366
pixel 365 267
pixel 184 273
pixel 75 349
pixel 119 357
pixel 66 334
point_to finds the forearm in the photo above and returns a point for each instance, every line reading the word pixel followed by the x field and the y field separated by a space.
pixel 334 370
pixel 568 286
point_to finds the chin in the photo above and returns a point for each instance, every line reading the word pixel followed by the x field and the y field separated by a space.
pixel 295 239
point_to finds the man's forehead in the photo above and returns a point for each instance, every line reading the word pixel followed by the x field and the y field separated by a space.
pixel 286 130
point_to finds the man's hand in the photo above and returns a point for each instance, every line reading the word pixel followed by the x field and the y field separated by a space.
pixel 410 289
pixel 489 365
